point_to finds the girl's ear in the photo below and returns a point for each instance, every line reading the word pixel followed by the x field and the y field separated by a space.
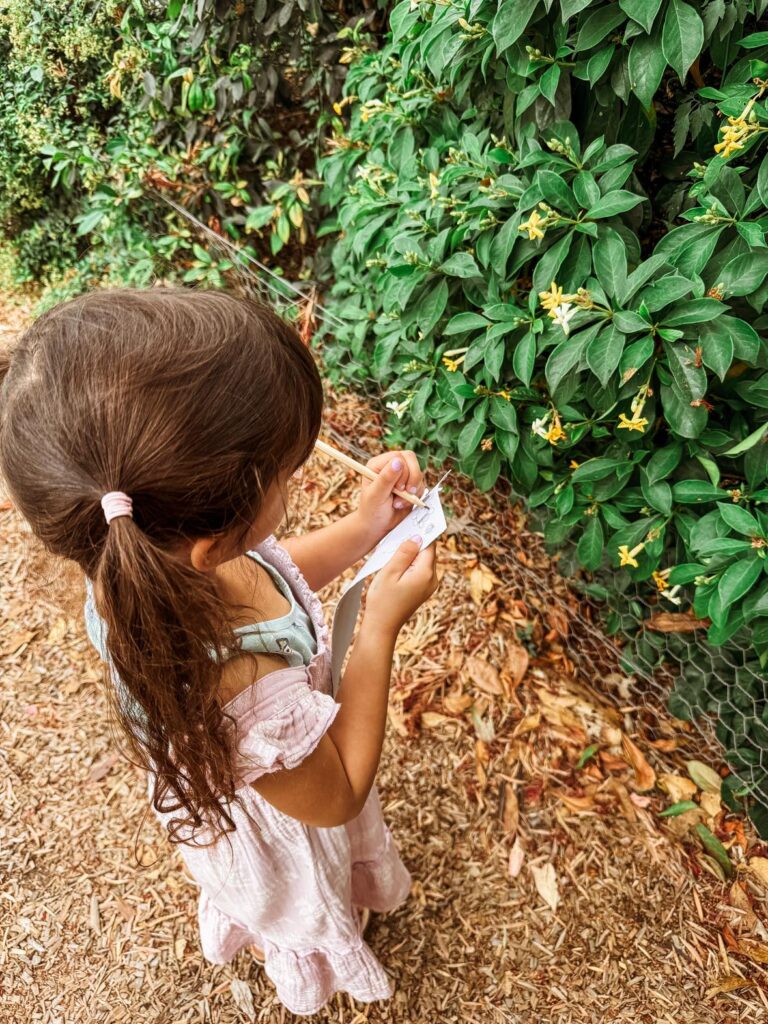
pixel 206 553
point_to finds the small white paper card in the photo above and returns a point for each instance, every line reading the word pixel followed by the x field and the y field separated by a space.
pixel 429 523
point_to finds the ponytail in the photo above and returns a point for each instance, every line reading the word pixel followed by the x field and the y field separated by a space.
pixel 165 627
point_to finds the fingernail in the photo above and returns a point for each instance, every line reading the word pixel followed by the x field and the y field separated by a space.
pixel 412 490
pixel 416 538
pixel 397 465
pixel 397 503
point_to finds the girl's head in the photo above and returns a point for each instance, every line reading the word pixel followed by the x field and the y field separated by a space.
pixel 199 406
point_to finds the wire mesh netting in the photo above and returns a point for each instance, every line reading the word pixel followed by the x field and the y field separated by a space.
pixel 643 644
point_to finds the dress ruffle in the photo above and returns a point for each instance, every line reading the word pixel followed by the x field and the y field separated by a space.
pixel 277 723
pixel 304 980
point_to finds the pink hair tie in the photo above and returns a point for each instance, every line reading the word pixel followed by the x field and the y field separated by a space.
pixel 116 504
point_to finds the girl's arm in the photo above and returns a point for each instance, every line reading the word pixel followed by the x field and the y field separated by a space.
pixel 326 553
pixel 331 786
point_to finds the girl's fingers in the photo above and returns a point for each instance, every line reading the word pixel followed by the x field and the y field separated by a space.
pixel 410 477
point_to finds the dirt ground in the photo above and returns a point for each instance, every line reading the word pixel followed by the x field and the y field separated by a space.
pixel 545 891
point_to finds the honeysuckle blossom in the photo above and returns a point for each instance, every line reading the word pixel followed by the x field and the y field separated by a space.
pixel 535 226
pixel 550 428
pixel 627 557
pixel 563 315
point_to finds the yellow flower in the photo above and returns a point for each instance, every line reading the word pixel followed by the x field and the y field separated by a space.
pixel 551 300
pixel 632 424
pixel 573 464
pixel 506 395
pixel 535 226
pixel 660 579
pixel 487 444
pixel 452 365
pixel 735 133
pixel 627 557
pixel 555 434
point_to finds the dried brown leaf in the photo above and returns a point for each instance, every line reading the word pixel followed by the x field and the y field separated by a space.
pixel 516 858
pixel 675 622
pixel 645 776
pixel 518 660
pixel 510 817
pixel 482 675
pixel 729 984
pixel 758 866
pixel 756 951
pixel 677 787
pixel 545 880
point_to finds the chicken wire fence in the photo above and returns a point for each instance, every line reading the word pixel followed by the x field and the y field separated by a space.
pixel 644 648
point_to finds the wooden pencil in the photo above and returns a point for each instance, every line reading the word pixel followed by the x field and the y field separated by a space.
pixel 347 460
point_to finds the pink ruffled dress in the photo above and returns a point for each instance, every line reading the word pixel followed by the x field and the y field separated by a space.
pixel 289 888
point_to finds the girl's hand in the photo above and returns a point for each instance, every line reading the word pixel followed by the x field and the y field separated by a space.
pixel 397 590
pixel 380 509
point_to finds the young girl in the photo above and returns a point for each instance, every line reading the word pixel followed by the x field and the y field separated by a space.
pixel 150 436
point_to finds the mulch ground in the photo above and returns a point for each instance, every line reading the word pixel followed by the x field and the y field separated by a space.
pixel 547 889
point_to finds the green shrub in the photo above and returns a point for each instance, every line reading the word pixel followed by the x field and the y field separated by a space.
pixel 106 107
pixel 552 254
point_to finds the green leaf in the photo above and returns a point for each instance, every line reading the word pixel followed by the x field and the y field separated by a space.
pixel 609 257
pixel 738 579
pixel 524 358
pixel 642 11
pixel 646 67
pixel 682 37
pixel 465 322
pixel 739 519
pixel 586 754
pixel 630 323
pixel 586 189
pixel 664 462
pixel 503 414
pixel 470 437
pixel 716 348
pixel 696 492
pixel 679 808
pixel 658 494
pixel 693 311
pixel 744 274
pixel 433 306
pixel 614 203
pixel 461 264
pixel 749 442
pixel 511 21
pixel 715 848
pixel 604 353
pixel 590 548
pixel 690 379
pixel 556 192
pixel 597 26
pixel 564 358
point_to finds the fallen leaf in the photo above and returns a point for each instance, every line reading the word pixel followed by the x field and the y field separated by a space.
pixel 712 866
pixel 665 746
pixel 516 858
pixel 738 897
pixel 483 676
pixel 456 701
pixel 16 642
pixel 510 815
pixel 677 787
pixel 645 776
pixel 759 868
pixel 611 762
pixel 586 754
pixel 715 849
pixel 683 824
pixel 729 984
pixel 756 951
pixel 706 778
pixel 528 724
pixel 679 808
pixel 710 804
pixel 545 880
pixel 481 582
pixel 675 622
pixel 627 807
pixel 102 768
pixel 518 660
pixel 431 719
pixel 242 997
pixel 577 803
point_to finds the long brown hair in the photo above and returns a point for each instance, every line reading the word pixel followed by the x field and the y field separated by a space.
pixel 192 403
